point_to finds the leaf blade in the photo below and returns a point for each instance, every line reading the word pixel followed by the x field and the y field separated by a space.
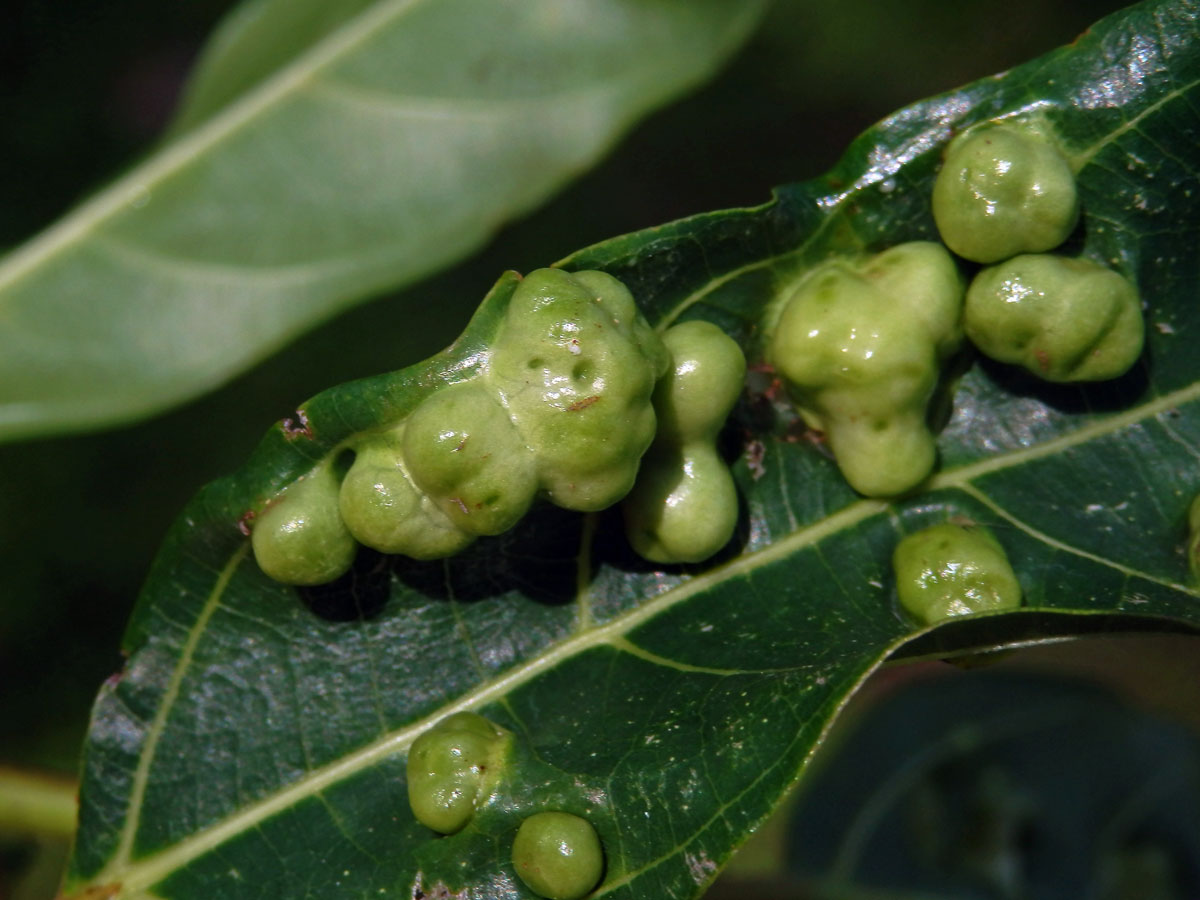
pixel 297 191
pixel 673 707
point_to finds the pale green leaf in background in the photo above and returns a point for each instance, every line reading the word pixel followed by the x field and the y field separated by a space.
pixel 325 152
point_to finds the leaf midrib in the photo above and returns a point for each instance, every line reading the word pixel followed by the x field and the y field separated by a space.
pixel 139 182
pixel 152 869
pixel 135 185
pixel 148 871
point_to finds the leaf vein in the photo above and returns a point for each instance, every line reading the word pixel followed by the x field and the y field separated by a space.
pixel 141 774
pixel 1099 427
pixel 625 645
pixel 129 190
pixel 1082 158
pixel 156 263
pixel 1038 535
pixel 150 870
pixel 503 109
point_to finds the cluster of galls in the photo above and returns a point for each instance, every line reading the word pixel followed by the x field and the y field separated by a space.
pixel 1005 196
pixel 581 403
pixel 575 390
pixel 453 769
pixel 861 343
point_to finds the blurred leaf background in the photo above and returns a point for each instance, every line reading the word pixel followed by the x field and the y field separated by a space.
pixel 86 87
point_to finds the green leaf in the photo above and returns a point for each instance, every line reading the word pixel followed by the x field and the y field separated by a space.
pixel 258 734
pixel 325 152
pixel 995 784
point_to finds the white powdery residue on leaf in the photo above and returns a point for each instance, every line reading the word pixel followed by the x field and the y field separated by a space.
pixel 699 866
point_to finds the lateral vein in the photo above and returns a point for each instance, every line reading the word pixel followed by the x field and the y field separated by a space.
pixel 141 774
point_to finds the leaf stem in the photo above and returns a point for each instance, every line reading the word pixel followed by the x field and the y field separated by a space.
pixel 36 802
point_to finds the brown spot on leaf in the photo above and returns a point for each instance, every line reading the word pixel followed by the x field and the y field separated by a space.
pixel 296 426
pixel 583 404
pixel 814 437
pixel 1043 359
pixel 799 433
pixel 244 520
pixel 774 388
pixel 95 892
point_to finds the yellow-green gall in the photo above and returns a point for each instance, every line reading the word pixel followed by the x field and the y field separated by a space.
pixel 1004 190
pixel 574 363
pixel 703 380
pixel 926 282
pixel 384 509
pixel 558 855
pixel 1063 319
pixel 461 448
pixel 300 537
pixel 449 767
pixel 684 506
pixel 953 570
pixel 860 345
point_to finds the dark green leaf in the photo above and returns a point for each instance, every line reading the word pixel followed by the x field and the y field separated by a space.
pixel 256 740
pixel 326 152
pixel 994 785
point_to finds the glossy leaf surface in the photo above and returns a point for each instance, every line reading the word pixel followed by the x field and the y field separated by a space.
pixel 257 738
pixel 325 152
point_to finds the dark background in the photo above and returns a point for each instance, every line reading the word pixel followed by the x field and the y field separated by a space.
pixel 86 86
